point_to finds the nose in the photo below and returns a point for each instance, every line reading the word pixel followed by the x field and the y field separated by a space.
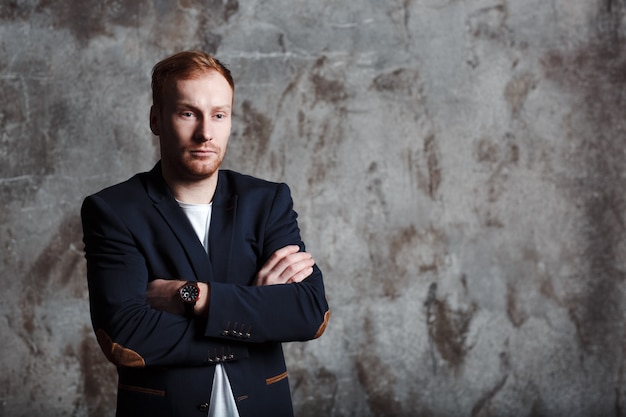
pixel 204 133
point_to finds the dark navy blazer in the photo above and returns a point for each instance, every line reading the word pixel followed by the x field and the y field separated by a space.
pixel 135 232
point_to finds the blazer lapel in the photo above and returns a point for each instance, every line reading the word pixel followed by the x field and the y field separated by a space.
pixel 166 205
pixel 222 228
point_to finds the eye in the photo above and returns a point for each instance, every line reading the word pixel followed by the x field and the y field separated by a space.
pixel 187 114
pixel 220 116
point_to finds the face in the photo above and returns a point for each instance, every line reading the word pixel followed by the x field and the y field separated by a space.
pixel 193 126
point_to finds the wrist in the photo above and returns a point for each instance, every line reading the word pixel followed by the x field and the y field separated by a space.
pixel 201 308
pixel 189 294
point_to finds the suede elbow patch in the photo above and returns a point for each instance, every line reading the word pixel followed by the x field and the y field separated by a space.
pixel 118 354
pixel 275 379
pixel 321 329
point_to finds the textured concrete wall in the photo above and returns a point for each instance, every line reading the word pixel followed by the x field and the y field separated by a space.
pixel 459 168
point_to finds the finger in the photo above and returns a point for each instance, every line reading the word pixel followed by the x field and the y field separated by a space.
pixel 276 257
pixel 292 260
pixel 288 266
pixel 298 268
pixel 273 264
pixel 295 268
pixel 301 276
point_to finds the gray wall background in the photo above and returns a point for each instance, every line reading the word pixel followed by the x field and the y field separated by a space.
pixel 458 167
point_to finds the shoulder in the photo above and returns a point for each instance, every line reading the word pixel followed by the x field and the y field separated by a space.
pixel 239 180
pixel 123 190
pixel 242 184
pixel 127 196
pixel 250 189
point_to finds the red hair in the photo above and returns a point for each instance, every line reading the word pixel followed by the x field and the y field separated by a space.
pixel 184 65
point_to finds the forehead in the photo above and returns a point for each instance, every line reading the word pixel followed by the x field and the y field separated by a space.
pixel 200 86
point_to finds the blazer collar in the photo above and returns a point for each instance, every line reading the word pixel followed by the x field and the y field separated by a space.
pixel 221 231
pixel 164 202
pixel 207 268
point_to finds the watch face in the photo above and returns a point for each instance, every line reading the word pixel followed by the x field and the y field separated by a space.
pixel 189 293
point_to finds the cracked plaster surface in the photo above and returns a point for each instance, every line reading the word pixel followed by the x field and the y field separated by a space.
pixel 458 168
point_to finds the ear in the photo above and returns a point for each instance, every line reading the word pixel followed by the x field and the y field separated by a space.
pixel 155 121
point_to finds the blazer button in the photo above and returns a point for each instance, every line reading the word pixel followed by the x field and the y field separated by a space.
pixel 204 407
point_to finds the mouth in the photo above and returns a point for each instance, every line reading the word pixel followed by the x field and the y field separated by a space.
pixel 202 153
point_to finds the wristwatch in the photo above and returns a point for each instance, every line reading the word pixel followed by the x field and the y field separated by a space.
pixel 189 293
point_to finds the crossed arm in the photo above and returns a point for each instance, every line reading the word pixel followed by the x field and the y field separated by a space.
pixel 127 307
pixel 287 265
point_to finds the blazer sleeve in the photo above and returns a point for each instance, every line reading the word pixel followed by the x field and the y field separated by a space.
pixel 274 313
pixel 128 330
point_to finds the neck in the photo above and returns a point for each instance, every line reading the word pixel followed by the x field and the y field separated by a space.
pixel 193 192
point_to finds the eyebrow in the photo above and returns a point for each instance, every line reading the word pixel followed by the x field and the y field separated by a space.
pixel 221 107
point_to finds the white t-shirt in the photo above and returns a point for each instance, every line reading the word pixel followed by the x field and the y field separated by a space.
pixel 222 399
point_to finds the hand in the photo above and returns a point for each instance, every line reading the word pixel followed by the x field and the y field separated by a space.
pixel 286 265
pixel 162 294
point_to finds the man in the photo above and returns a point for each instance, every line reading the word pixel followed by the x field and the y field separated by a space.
pixel 196 275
